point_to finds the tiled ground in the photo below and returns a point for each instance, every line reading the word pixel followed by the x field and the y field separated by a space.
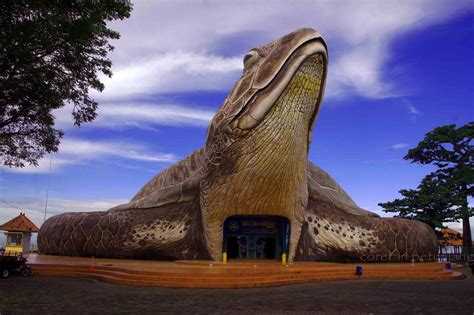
pixel 42 295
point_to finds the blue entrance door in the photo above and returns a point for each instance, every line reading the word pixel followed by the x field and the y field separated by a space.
pixel 256 237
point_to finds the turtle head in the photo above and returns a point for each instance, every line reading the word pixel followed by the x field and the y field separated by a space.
pixel 281 86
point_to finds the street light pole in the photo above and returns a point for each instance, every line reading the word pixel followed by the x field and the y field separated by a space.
pixel 47 190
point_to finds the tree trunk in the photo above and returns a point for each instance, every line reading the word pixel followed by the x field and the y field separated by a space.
pixel 466 225
pixel 466 232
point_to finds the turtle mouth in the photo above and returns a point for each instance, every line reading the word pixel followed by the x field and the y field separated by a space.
pixel 310 55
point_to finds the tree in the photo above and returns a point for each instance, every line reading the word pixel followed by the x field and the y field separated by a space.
pixel 51 54
pixel 433 203
pixel 452 151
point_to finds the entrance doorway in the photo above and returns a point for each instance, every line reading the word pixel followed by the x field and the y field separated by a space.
pixel 256 237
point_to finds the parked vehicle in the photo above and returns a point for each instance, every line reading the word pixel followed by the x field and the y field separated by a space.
pixel 13 264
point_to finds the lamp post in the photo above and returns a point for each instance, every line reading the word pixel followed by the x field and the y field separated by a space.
pixel 47 189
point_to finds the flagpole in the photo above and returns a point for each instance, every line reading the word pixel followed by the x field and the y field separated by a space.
pixel 47 190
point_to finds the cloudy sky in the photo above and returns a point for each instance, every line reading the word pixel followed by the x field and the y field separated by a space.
pixel 397 69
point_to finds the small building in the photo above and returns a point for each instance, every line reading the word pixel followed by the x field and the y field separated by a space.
pixel 450 242
pixel 18 234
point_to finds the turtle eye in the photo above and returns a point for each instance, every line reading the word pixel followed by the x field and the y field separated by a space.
pixel 250 59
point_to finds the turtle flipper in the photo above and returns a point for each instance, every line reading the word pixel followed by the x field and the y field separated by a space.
pixel 168 232
pixel 331 234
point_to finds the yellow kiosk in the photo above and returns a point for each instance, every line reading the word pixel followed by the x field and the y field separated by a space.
pixel 18 234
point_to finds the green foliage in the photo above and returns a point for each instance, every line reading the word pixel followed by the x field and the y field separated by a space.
pixel 445 147
pixel 443 195
pixel 433 202
pixel 51 54
pixel 452 151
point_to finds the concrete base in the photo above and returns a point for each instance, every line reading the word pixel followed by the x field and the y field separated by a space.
pixel 234 274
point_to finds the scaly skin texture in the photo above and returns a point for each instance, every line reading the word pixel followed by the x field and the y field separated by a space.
pixel 277 165
pixel 254 163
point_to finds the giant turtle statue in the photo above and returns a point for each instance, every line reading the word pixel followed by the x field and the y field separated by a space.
pixel 254 162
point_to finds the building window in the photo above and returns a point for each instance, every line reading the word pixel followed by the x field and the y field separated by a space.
pixel 14 240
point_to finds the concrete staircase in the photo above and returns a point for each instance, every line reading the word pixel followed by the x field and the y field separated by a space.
pixel 199 274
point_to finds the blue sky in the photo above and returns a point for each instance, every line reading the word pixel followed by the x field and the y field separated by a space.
pixel 397 69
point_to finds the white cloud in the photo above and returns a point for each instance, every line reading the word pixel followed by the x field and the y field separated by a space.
pixel 93 149
pixel 77 151
pixel 414 111
pixel 359 72
pixel 140 115
pixel 171 72
pixel 397 146
pixel 458 225
pixel 172 45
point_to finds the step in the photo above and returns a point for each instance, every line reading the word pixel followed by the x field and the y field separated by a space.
pixel 191 272
pixel 264 283
pixel 238 283
pixel 126 274
pixel 230 284
pixel 186 278
pixel 210 275
pixel 234 275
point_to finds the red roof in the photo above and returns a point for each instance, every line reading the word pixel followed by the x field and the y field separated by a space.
pixel 450 231
pixel 451 237
pixel 20 224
